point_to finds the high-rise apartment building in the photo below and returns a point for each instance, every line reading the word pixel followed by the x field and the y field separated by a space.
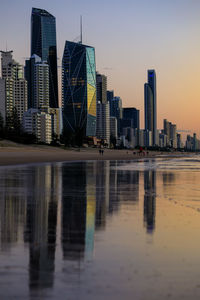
pixel 179 141
pixel 30 70
pixel 7 71
pixel 150 105
pixel 2 99
pixel 103 122
pixel 101 82
pixel 43 44
pixel 113 127
pixel 166 129
pixel 37 76
pixel 38 123
pixel 103 109
pixel 15 85
pixel 171 133
pixel 41 86
pixel 79 89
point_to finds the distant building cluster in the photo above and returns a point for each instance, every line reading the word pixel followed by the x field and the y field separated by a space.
pixel 89 113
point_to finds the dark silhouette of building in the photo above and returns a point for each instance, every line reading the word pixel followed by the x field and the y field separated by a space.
pixel 133 114
pixel 150 105
pixel 110 95
pixel 131 119
pixel 43 44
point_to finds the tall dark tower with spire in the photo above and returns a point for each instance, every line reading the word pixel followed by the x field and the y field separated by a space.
pixel 43 44
pixel 150 104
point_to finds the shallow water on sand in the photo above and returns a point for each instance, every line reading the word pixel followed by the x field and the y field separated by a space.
pixel 101 230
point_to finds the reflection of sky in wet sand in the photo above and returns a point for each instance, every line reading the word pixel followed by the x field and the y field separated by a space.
pixel 101 230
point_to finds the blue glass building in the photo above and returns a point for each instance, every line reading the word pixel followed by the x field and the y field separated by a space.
pixel 79 89
pixel 43 44
pixel 115 108
pixel 133 114
pixel 150 105
pixel 110 95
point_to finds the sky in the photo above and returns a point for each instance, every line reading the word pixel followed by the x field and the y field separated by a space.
pixel 130 37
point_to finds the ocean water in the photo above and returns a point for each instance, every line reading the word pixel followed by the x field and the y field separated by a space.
pixel 101 230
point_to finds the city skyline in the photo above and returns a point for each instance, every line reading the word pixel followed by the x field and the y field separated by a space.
pixel 171 47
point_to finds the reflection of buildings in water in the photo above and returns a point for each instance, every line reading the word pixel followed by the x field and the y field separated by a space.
pixel 102 192
pixel 128 184
pixel 168 177
pixel 78 210
pixel 123 183
pixel 149 200
pixel 13 196
pixel 113 192
pixel 90 210
pixel 44 185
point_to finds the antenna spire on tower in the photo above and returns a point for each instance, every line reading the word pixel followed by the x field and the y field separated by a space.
pixel 81 29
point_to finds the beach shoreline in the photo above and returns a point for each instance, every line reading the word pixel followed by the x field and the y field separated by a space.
pixel 25 154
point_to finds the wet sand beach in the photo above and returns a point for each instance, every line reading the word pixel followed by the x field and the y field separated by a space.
pixel 13 155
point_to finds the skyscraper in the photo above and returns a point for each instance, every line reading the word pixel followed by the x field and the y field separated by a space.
pixel 116 110
pixel 103 109
pixel 150 105
pixel 170 132
pixel 101 88
pixel 37 76
pixel 15 87
pixel 79 90
pixel 103 122
pixel 43 44
pixel 2 99
pixel 133 114
pixel 110 95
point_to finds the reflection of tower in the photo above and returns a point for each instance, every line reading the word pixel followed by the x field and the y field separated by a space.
pixel 73 210
pixel 41 224
pixel 78 210
pixel 168 178
pixel 102 194
pixel 113 189
pixel 149 200
pixel 90 210
pixel 128 184
pixel 12 206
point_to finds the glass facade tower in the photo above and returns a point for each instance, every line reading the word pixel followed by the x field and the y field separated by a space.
pixel 150 105
pixel 43 44
pixel 133 114
pixel 79 89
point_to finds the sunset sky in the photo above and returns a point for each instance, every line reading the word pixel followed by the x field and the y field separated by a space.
pixel 129 36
